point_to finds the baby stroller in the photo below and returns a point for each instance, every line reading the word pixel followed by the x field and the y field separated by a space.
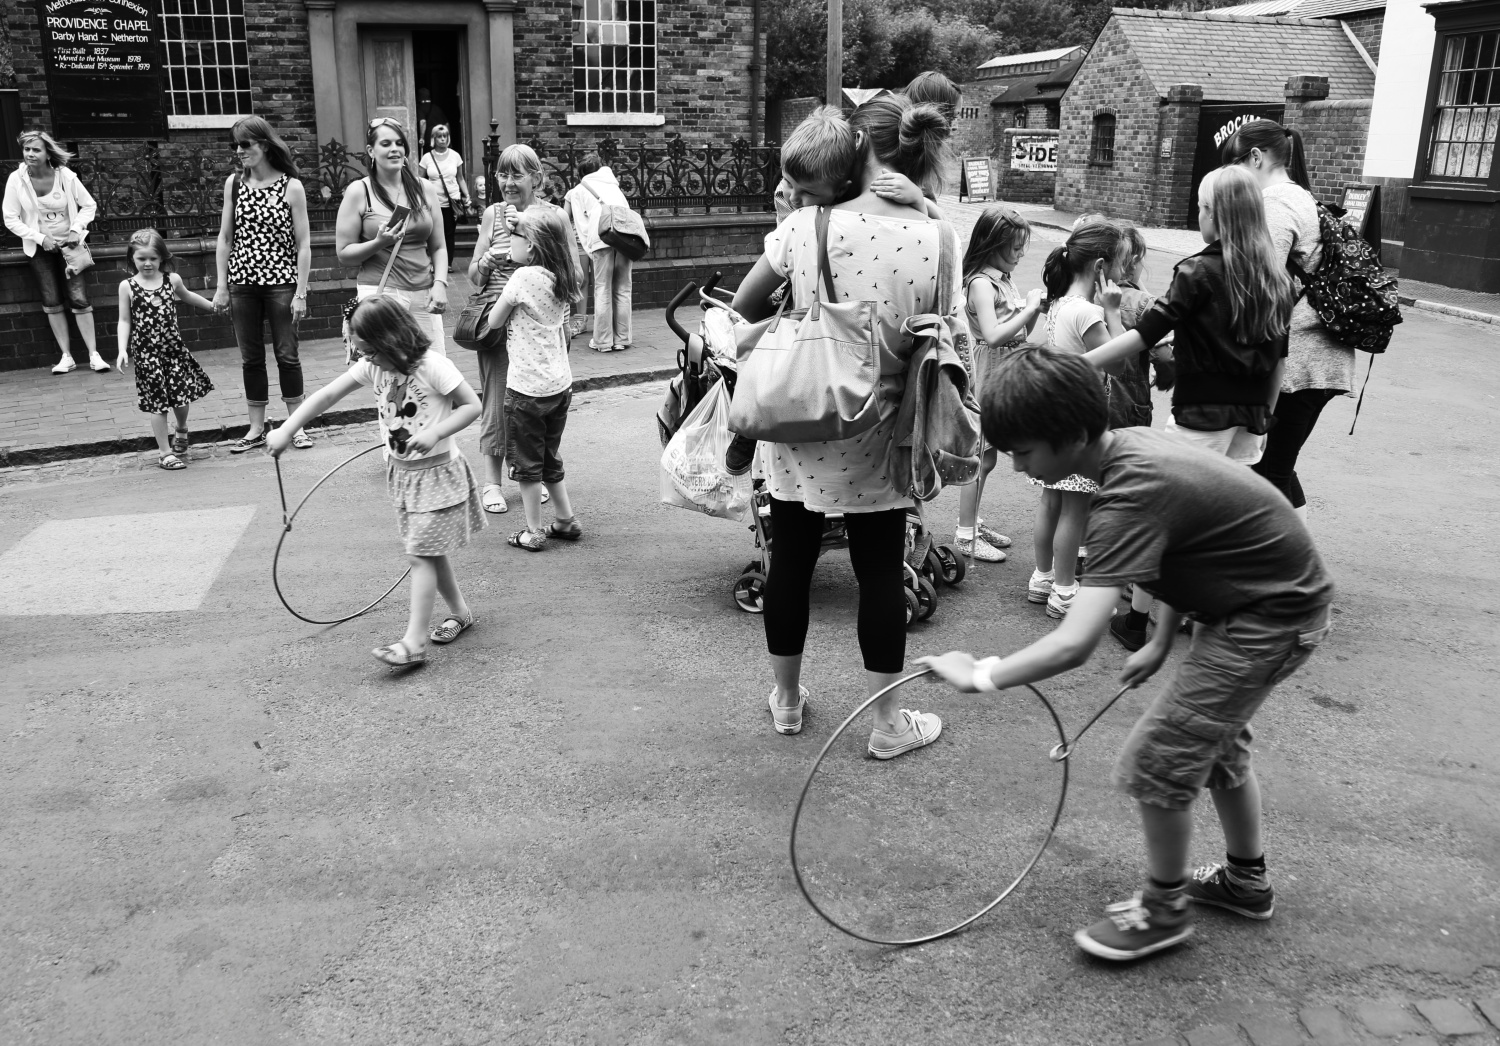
pixel 708 357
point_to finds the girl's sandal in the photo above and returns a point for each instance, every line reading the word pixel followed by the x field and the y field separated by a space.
pixel 569 532
pixel 451 628
pixel 493 499
pixel 179 441
pixel 170 462
pixel 396 654
pixel 527 540
pixel 302 441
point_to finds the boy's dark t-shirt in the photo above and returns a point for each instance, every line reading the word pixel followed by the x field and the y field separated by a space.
pixel 1204 534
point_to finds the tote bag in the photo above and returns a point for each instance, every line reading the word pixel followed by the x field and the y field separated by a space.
pixel 621 228
pixel 809 376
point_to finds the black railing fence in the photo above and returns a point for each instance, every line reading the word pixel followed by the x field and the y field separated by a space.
pixel 180 192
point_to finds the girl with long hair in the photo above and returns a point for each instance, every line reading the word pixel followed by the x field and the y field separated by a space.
pixel 369 230
pixel 1229 305
pixel 1318 367
pixel 264 255
pixel 47 206
pixel 999 321
pixel 422 402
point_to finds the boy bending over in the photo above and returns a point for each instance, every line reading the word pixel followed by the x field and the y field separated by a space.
pixel 1206 537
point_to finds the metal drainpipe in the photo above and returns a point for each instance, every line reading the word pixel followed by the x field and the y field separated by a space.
pixel 755 70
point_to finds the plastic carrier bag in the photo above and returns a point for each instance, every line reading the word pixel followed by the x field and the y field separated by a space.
pixel 692 467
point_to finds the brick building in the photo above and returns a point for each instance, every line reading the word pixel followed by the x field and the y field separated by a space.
pixel 979 129
pixel 1144 116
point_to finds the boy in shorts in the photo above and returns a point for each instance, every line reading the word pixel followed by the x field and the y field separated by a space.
pixel 1207 537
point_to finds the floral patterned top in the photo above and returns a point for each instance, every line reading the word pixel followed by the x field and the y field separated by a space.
pixel 264 252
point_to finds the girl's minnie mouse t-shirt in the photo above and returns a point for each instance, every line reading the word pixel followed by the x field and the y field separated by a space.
pixel 409 403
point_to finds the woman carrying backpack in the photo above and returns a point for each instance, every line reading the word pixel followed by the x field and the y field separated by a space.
pixel 1318 367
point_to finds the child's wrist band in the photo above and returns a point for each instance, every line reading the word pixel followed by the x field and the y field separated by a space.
pixel 982 682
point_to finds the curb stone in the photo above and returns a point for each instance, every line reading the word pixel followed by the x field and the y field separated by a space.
pixel 1349 1022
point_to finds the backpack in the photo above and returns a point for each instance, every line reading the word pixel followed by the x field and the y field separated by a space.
pixel 1350 291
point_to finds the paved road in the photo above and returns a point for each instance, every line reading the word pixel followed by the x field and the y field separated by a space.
pixel 223 825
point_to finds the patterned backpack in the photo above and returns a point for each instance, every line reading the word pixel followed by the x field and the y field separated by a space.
pixel 1350 291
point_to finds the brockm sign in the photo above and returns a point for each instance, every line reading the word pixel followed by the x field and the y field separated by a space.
pixel 104 68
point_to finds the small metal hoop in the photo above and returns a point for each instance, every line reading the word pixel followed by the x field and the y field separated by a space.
pixel 1062 798
pixel 287 529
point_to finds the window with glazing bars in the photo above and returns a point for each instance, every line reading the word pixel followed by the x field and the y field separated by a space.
pixel 1102 146
pixel 208 68
pixel 1467 117
pixel 614 56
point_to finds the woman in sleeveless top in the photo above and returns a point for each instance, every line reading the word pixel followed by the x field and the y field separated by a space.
pixel 365 235
pixel 518 177
pixel 263 254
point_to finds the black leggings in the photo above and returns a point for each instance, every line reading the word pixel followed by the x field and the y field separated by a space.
pixel 1296 415
pixel 877 541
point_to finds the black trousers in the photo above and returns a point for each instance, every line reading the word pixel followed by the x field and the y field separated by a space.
pixel 876 545
pixel 1296 416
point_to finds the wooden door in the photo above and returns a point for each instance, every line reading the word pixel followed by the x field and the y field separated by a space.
pixel 389 87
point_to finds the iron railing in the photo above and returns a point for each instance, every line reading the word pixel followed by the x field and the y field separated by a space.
pixel 178 190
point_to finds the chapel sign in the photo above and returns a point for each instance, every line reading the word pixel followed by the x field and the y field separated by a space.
pixel 104 68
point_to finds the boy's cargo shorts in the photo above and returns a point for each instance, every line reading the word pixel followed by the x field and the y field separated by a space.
pixel 1197 732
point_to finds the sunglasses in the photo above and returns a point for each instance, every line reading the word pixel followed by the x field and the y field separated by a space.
pixel 236 146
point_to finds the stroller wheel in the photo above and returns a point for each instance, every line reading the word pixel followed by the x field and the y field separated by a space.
pixel 749 588
pixel 913 607
pixel 932 565
pixel 951 563
pixel 927 599
pixel 910 577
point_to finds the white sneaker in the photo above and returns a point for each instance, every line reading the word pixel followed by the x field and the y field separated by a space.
pixel 788 720
pixel 979 549
pixel 919 729
pixel 1039 587
pixel 1059 603
pixel 64 365
pixel 96 363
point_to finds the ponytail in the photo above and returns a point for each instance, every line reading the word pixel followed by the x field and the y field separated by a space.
pixel 1282 146
pixel 1090 242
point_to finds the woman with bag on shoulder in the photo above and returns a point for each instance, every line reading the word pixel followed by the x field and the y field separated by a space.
pixel 585 203
pixel 264 254
pixel 47 206
pixel 886 255
pixel 519 178
pixel 444 167
pixel 389 227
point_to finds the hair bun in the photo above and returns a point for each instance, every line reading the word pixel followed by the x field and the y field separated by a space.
pixel 922 125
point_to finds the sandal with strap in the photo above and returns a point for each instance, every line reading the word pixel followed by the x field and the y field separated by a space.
pixel 398 654
pixel 493 499
pixel 452 627
pixel 170 462
pixel 245 443
pixel 302 441
pixel 531 542
pixel 179 441
pixel 569 531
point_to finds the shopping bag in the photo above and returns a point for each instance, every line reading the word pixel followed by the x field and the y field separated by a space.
pixel 693 472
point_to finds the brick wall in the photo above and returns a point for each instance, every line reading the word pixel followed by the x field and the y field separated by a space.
pixel 7 70
pixel 1334 134
pixel 793 112
pixel 1023 186
pixel 975 135
pixel 1367 27
pixel 1110 79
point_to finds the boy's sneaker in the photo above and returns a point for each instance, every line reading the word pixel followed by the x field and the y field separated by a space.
pixel 1039 588
pixel 1224 887
pixel 990 534
pixel 1131 639
pixel 1059 602
pixel 979 549
pixel 740 455
pixel 1137 927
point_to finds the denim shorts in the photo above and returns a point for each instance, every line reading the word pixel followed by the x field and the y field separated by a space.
pixel 53 282
pixel 534 428
pixel 1197 733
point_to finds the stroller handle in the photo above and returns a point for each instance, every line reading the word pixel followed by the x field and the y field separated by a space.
pixel 713 281
pixel 682 296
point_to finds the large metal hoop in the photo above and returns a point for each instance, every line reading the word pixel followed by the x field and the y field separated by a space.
pixel 1062 797
pixel 287 529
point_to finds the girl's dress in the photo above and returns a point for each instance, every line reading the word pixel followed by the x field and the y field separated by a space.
pixel 166 375
pixel 1007 304
pixel 435 495
pixel 1068 319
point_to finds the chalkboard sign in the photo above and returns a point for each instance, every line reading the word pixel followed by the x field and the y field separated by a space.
pixel 1357 199
pixel 104 68
pixel 976 178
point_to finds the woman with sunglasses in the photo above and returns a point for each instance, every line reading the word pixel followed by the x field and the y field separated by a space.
pixel 47 206
pixel 369 229
pixel 264 253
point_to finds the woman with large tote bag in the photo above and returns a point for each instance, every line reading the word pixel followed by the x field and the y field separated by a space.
pixel 885 254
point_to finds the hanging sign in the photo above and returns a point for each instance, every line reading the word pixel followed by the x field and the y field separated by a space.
pixel 976 178
pixel 1034 152
pixel 104 68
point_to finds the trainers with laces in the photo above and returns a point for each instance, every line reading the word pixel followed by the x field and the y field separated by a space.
pixel 919 729
pixel 1059 602
pixel 1137 927
pixel 1039 587
pixel 1130 638
pixel 1221 886
pixel 990 534
pixel 788 720
pixel 979 549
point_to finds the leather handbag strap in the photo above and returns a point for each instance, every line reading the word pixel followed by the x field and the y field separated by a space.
pixel 947 267
pixel 395 247
pixel 823 269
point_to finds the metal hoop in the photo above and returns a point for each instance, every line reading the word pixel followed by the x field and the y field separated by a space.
pixel 1062 797
pixel 287 529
